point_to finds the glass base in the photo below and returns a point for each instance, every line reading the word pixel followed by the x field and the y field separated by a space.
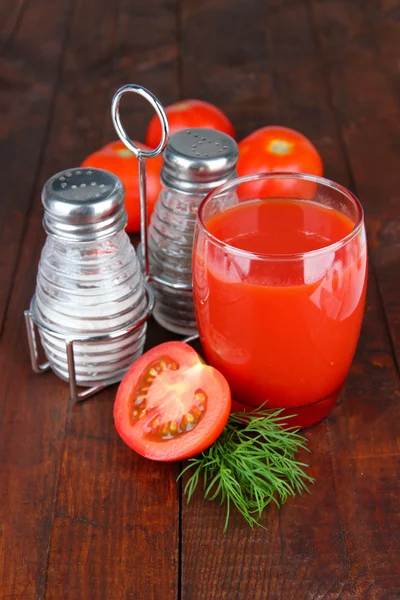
pixel 180 327
pixel 306 415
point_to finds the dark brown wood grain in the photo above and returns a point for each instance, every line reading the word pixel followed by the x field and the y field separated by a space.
pixel 146 53
pixel 139 530
pixel 293 556
pixel 39 488
pixel 10 18
pixel 29 58
pixel 369 125
pixel 361 57
pixel 364 434
pixel 81 516
pixel 385 16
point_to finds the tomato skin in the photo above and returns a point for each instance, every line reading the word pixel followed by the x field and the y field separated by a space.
pixel 192 372
pixel 115 157
pixel 278 149
pixel 189 113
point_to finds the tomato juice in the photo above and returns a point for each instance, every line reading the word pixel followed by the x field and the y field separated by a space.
pixel 279 289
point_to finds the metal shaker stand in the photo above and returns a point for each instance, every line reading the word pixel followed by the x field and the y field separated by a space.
pixel 32 323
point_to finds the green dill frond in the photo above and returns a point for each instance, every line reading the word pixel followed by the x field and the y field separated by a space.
pixel 251 464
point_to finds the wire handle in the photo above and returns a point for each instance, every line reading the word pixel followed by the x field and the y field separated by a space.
pixel 141 154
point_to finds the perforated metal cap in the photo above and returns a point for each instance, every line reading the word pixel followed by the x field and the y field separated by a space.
pixel 198 160
pixel 83 204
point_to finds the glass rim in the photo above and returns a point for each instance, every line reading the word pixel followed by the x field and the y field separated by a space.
pixel 236 181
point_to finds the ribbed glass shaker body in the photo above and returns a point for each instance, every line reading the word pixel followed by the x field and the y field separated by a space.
pixel 170 256
pixel 89 283
pixel 195 162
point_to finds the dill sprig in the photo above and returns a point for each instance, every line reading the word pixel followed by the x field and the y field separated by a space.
pixel 251 464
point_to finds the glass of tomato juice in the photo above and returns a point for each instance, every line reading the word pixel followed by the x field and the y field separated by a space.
pixel 279 277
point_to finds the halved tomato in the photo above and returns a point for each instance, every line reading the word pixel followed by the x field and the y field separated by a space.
pixel 170 405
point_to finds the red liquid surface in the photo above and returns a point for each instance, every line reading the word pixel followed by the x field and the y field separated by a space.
pixel 281 331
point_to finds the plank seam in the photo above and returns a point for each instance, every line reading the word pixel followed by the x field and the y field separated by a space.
pixel 342 533
pixel 180 530
pixel 329 96
pixel 385 319
pixel 18 19
pixel 179 43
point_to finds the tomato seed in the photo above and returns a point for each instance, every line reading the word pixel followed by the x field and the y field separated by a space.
pixel 153 372
pixel 200 396
pixel 173 427
pixel 196 412
pixel 190 418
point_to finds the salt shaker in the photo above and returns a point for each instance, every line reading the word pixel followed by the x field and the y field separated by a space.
pixel 195 162
pixel 90 288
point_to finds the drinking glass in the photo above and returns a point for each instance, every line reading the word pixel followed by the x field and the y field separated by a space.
pixel 279 276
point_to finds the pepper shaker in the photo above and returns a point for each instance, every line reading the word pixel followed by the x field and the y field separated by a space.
pixel 196 161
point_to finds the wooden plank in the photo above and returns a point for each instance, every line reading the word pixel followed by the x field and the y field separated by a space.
pixel 231 75
pixel 387 264
pixel 10 19
pixel 33 408
pixel 369 120
pixel 29 430
pixel 300 554
pixel 146 54
pixel 300 82
pixel 118 512
pixel 29 64
pixel 364 439
pixel 384 17
pixel 114 522
pixel 309 549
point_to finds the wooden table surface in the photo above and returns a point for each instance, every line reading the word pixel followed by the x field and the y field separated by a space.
pixel 81 516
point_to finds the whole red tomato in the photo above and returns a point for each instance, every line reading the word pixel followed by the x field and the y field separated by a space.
pixel 189 113
pixel 115 157
pixel 274 149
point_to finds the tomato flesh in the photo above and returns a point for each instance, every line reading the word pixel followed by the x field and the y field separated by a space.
pixel 170 405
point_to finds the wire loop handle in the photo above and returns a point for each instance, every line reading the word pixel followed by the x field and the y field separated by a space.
pixel 141 154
